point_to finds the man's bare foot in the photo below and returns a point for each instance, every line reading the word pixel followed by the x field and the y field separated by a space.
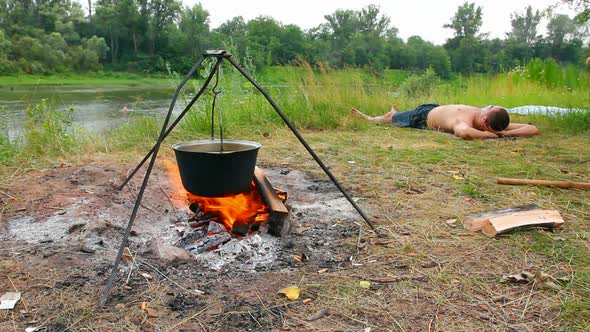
pixel 386 118
pixel 394 108
pixel 356 112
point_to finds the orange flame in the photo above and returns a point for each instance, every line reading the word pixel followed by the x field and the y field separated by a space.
pixel 246 208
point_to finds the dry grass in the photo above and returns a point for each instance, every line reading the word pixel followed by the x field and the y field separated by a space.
pixel 426 275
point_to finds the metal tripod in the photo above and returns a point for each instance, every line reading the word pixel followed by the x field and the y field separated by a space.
pixel 219 55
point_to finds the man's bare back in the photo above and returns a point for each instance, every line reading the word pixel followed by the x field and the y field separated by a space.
pixel 461 120
pixel 445 117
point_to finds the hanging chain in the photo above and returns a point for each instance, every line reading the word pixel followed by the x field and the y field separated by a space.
pixel 213 103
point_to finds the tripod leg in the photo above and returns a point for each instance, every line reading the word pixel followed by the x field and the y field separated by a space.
pixel 154 155
pixel 186 109
pixel 303 142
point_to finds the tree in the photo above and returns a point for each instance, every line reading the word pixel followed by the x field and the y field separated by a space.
pixel 194 25
pixel 6 66
pixel 370 21
pixel 524 26
pixel 96 45
pixel 560 29
pixel 367 28
pixel 292 44
pixel 523 35
pixel 428 55
pixel 563 38
pixel 108 18
pixel 264 40
pixel 466 55
pixel 234 31
pixel 467 20
pixel 161 14
pixel 583 9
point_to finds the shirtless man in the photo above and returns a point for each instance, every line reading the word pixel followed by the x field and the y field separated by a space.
pixel 462 120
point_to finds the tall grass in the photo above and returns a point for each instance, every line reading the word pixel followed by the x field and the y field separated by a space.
pixel 139 132
pixel 314 98
pixel 548 72
pixel 48 130
pixel 320 98
pixel 7 148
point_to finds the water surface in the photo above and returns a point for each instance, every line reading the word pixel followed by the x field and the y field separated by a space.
pixel 95 108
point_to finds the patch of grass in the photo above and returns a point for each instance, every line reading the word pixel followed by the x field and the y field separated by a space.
pixel 567 251
pixel 574 121
pixel 468 188
pixel 139 132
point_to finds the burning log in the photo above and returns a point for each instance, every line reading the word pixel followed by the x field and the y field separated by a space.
pixel 278 223
pixel 240 214
pixel 209 243
pixel 274 202
pixel 240 228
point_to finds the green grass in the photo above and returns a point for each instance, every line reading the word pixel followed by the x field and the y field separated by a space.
pixel 411 180
pixel 311 98
pixel 569 251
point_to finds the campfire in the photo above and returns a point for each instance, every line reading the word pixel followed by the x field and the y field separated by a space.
pixel 217 220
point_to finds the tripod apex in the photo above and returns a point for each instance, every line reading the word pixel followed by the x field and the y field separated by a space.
pixel 217 53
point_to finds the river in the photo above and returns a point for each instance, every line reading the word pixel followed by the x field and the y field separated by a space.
pixel 95 108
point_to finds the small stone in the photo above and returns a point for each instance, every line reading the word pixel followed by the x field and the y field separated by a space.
pixel 167 253
pixel 87 250
pixel 452 222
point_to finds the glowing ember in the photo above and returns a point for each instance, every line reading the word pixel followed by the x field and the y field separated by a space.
pixel 246 208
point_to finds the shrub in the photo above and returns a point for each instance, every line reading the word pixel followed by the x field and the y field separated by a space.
pixel 48 130
pixel 419 85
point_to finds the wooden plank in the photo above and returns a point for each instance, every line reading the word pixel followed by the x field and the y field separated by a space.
pixel 547 183
pixel 269 194
pixel 536 218
pixel 476 222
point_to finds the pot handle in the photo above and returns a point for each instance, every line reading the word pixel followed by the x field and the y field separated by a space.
pixel 215 98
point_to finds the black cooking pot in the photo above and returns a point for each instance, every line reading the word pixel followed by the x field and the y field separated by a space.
pixel 207 170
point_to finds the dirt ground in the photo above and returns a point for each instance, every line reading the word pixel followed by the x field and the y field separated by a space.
pixel 63 225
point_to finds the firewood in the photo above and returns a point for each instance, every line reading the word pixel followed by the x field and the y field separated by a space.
pixel 268 193
pixel 536 218
pixel 278 224
pixel 240 228
pixel 548 183
pixel 476 222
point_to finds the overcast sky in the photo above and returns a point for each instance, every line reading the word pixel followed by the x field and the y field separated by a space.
pixel 412 17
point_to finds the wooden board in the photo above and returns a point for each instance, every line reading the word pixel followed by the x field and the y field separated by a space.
pixel 536 218
pixel 476 222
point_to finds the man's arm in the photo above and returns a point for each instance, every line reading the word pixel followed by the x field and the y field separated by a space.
pixel 462 130
pixel 520 130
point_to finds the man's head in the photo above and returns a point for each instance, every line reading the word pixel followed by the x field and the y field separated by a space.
pixel 495 119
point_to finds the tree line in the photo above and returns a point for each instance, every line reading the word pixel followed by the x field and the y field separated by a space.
pixel 52 36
